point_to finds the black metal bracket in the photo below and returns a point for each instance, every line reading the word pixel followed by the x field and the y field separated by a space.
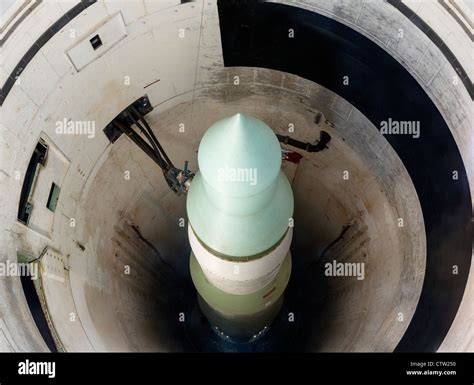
pixel 320 145
pixel 133 116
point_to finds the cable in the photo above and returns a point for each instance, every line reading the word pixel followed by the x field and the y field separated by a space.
pixel 150 139
pixel 150 131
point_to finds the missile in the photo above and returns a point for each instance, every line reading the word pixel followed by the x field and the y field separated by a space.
pixel 239 207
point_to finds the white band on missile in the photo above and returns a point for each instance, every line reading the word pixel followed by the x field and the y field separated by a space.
pixel 240 277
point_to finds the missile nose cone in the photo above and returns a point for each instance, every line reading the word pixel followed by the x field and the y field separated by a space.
pixel 239 156
pixel 239 202
pixel 236 128
pixel 238 122
pixel 237 118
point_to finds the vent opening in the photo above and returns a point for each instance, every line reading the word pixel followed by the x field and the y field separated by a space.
pixel 96 42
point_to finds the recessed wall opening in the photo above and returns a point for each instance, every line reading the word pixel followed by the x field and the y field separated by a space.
pixel 34 303
pixel 37 160
pixel 53 197
pixel 96 42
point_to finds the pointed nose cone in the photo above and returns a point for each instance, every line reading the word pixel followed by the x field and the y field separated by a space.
pixel 239 202
pixel 239 156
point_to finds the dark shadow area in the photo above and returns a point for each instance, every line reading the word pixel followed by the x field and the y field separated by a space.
pixel 37 312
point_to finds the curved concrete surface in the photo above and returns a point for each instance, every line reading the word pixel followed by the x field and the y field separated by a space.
pixel 115 251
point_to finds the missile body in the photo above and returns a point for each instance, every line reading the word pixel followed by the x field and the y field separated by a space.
pixel 239 207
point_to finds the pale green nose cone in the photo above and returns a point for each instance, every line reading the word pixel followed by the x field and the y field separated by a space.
pixel 239 142
pixel 240 202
